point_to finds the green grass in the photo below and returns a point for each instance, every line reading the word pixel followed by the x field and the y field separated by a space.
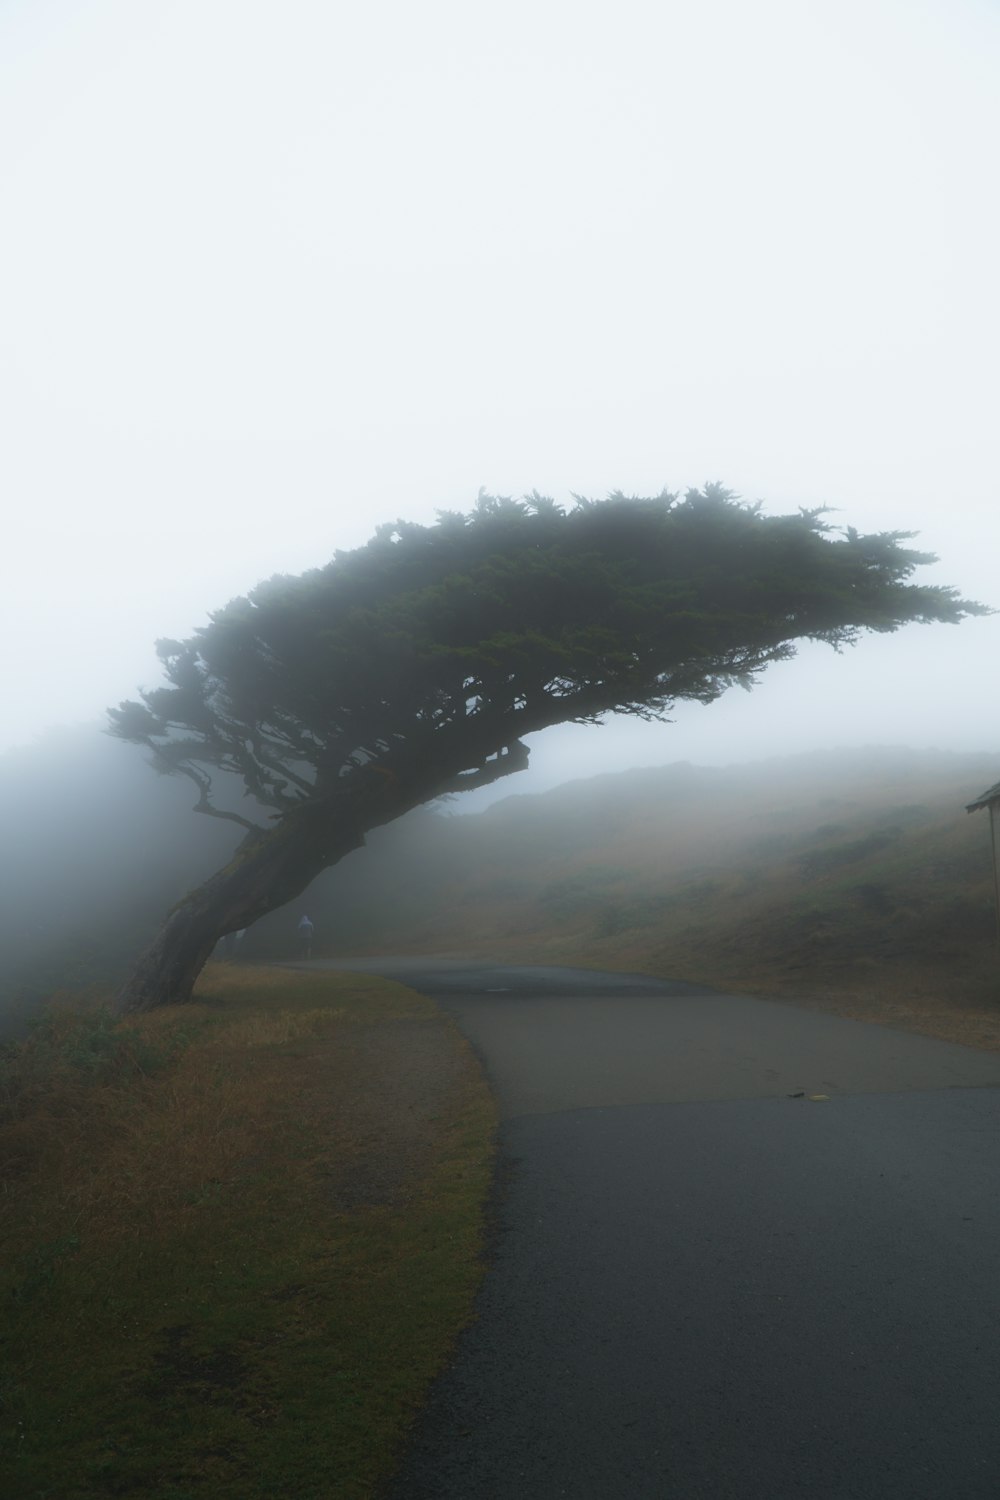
pixel 230 1268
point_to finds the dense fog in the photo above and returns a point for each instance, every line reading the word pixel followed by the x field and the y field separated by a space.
pixel 512 873
pixel 393 254
pixel 380 258
pixel 95 848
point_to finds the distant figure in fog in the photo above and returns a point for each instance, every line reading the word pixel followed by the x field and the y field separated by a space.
pixel 305 937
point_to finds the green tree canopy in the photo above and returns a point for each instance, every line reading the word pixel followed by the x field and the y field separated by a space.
pixel 415 665
pixel 438 647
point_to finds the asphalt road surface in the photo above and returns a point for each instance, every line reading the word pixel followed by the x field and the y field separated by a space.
pixel 740 1250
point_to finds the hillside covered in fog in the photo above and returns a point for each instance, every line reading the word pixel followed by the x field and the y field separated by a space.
pixel 855 870
pixel 849 872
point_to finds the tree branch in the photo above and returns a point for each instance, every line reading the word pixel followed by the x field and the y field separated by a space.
pixel 510 758
pixel 204 804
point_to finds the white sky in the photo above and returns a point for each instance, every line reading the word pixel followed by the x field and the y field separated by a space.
pixel 274 273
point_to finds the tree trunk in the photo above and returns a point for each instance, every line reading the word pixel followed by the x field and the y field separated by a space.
pixel 269 869
pixel 273 866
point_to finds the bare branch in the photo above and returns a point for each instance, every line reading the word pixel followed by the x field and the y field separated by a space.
pixel 205 805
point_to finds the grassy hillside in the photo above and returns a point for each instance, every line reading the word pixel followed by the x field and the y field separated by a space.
pixel 846 878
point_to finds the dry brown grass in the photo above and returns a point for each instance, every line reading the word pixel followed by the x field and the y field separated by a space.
pixel 227 1222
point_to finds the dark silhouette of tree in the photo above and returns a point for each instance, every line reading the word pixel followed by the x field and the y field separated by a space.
pixel 414 666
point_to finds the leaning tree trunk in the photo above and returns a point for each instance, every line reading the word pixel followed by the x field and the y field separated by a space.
pixel 273 866
pixel 269 869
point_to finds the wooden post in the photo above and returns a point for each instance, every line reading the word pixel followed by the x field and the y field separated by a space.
pixel 994 836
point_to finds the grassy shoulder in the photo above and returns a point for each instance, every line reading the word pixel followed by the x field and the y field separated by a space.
pixel 238 1238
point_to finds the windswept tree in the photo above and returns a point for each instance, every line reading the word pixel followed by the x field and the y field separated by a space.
pixel 414 666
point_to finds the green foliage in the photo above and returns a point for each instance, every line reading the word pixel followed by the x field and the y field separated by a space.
pixel 82 1045
pixel 414 663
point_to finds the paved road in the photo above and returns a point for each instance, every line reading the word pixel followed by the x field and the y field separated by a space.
pixel 703 1288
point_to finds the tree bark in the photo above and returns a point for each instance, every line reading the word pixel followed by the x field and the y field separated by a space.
pixel 269 869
